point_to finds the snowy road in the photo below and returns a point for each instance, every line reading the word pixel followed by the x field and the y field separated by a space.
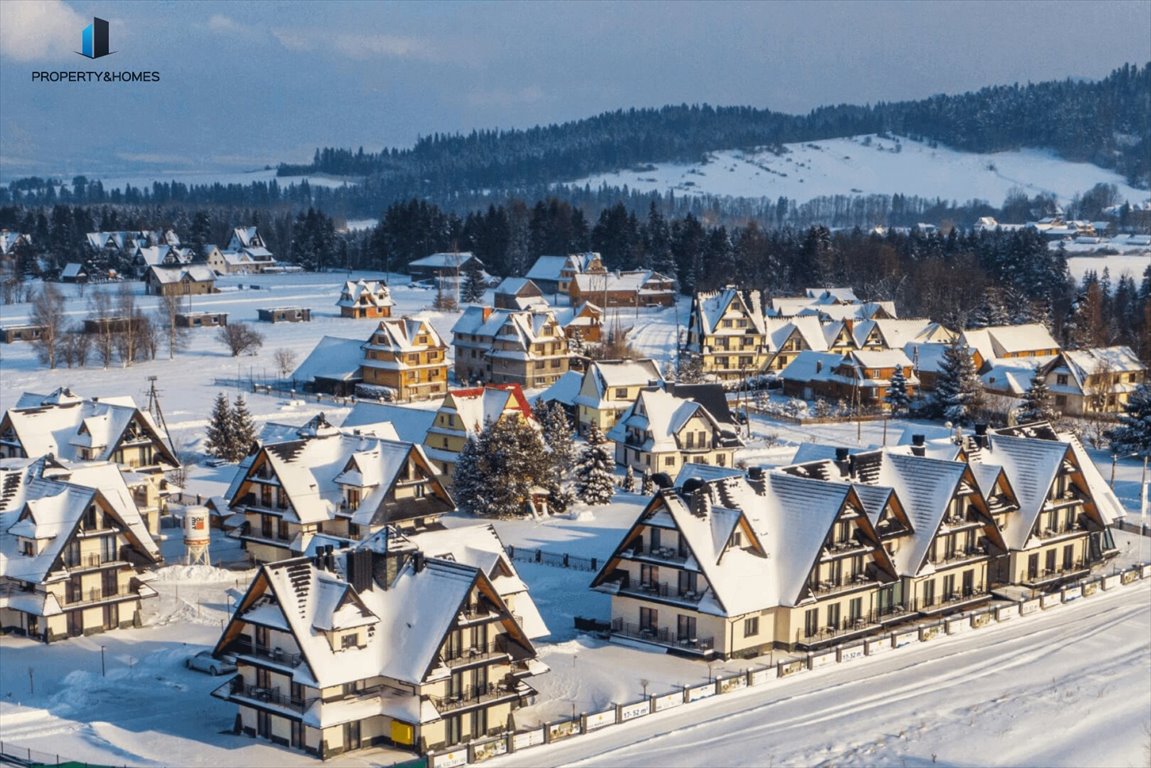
pixel 1066 687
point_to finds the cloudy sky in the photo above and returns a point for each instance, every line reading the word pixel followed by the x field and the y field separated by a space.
pixel 248 83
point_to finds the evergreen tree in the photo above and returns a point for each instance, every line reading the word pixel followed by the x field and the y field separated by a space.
pixel 497 471
pixel 473 286
pixel 897 398
pixel 1133 435
pixel 646 484
pixel 220 440
pixel 557 435
pixel 628 484
pixel 959 393
pixel 243 429
pixel 1038 403
pixel 594 476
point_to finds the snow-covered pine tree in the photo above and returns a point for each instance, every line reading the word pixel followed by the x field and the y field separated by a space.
pixel 243 429
pixel 220 429
pixel 1133 435
pixel 646 484
pixel 897 398
pixel 959 393
pixel 628 484
pixel 594 475
pixel 473 288
pixel 557 435
pixel 497 471
pixel 1038 403
pixel 468 478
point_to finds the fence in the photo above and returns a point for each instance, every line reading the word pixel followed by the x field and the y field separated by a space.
pixel 1143 529
pixel 554 559
pixel 758 676
pixel 11 754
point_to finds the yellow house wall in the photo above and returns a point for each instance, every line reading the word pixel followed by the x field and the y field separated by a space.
pixel 1019 558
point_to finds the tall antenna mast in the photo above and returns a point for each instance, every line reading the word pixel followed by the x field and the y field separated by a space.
pixel 157 414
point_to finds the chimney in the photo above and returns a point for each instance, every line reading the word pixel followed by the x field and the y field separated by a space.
pixel 329 558
pixel 487 312
pixel 418 561
pixel 841 460
pixel 359 569
pixel 755 473
pixel 918 443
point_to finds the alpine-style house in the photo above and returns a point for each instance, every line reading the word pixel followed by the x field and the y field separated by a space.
pixel 502 346
pixel 76 429
pixel 321 480
pixel 726 331
pixel 843 547
pixel 383 643
pixel 73 549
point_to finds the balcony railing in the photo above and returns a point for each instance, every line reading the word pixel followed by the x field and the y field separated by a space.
pixel 477 612
pixel 662 636
pixel 264 695
pixel 663 554
pixel 952 600
pixel 243 646
pixel 662 589
pixel 475 654
pixel 475 695
pixel 843 585
pixel 1047 576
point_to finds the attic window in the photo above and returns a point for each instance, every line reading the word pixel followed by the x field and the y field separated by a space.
pixel 737 538
pixel 350 640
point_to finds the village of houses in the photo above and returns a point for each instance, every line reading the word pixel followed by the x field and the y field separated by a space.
pixel 351 607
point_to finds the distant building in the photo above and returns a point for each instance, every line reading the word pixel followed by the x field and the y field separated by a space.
pixel 408 357
pixel 179 281
pixel 518 293
pixel 634 289
pixel 285 315
pixel 661 432
pixel 609 387
pixel 510 347
pixel 1093 381
pixel 365 299
pixel 465 413
pixel 554 274
pixel 726 331
pixel 442 265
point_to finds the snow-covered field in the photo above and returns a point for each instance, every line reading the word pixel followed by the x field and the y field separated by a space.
pixel 1068 687
pixel 870 165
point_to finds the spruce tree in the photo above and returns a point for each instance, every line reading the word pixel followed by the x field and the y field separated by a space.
pixel 473 287
pixel 1133 435
pixel 628 485
pixel 897 398
pixel 959 393
pixel 220 429
pixel 1038 403
pixel 646 484
pixel 594 476
pixel 497 472
pixel 243 430
pixel 557 435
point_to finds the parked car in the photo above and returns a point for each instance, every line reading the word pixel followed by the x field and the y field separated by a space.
pixel 205 662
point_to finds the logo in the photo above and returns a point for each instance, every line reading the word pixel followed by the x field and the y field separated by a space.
pixel 94 39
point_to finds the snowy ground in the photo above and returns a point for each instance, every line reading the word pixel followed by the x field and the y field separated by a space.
pixel 870 165
pixel 1033 687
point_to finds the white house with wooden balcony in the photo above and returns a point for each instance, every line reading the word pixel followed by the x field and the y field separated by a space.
pixel 406 356
pixel 365 298
pixel 609 387
pixel 377 645
pixel 78 429
pixel 322 480
pixel 738 565
pixel 73 549
pixel 661 432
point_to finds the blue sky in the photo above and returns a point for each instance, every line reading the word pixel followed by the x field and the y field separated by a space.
pixel 248 83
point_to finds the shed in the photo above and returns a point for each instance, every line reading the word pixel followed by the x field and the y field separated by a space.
pixel 285 315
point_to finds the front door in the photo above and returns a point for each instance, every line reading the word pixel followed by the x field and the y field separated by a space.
pixel 352 735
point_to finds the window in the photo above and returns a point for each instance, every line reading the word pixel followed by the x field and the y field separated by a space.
pixel 669 461
pixel 621 393
pixel 833 616
pixel 751 626
pixel 655 538
pixel 649 574
pixel 350 640
pixel 685 627
pixel 1068 557
pixel 1061 379
pixel 648 619
pixel 968 583
pixel 687 583
pixel 811 622
pixel 928 593
pixel 1050 564
pixel 1033 566
pixel 855 610
pixel 949 586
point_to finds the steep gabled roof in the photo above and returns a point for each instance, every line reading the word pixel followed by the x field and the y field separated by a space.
pixel 1031 466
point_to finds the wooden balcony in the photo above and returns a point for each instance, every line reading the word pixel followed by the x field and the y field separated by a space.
pixel 703 646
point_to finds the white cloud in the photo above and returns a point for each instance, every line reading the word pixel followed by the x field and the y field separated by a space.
pixel 41 30
pixel 356 46
pixel 220 23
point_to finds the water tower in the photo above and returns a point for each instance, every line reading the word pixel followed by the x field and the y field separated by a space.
pixel 197 536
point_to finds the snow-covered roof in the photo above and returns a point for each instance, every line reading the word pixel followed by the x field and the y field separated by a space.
pixel 605 376
pixel 712 306
pixel 365 293
pixel 1011 375
pixel 660 416
pixel 639 282
pixel 332 358
pixel 53 497
pixel 1006 340
pixel 443 260
pixel 400 334
pixel 195 273
pixel 810 365
pixel 72 269
pixel 478 406
pixel 60 423
pixel 565 389
pixel 1031 466
pixel 410 424
pixel 832 295
pixel 1084 363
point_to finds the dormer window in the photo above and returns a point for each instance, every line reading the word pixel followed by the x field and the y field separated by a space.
pixel 350 640
pixel 736 538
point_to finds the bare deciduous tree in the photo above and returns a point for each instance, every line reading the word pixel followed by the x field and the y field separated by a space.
pixel 48 313
pixel 100 311
pixel 240 338
pixel 285 361
pixel 75 346
pixel 175 337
